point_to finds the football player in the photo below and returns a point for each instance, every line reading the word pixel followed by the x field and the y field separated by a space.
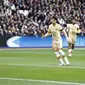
pixel 55 29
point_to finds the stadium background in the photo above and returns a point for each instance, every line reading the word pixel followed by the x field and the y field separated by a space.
pixel 29 19
pixel 39 66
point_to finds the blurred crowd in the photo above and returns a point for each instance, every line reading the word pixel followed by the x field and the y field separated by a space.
pixel 32 17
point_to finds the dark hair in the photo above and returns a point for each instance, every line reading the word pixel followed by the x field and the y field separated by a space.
pixel 54 18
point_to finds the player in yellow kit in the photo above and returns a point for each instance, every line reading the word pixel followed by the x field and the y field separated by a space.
pixel 73 29
pixel 55 30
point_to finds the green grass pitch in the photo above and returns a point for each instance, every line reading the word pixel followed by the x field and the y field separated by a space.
pixel 40 67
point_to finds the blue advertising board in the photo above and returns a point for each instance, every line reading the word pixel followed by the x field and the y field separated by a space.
pixel 32 41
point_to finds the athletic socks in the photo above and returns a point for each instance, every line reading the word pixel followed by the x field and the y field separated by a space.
pixel 66 60
pixel 61 61
pixel 70 52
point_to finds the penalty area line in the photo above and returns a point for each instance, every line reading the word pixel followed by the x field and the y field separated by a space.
pixel 41 81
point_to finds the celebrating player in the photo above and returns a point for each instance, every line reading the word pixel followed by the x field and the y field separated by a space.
pixel 55 30
pixel 73 29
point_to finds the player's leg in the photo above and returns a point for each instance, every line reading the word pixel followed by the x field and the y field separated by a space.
pixel 71 45
pixel 64 56
pixel 62 53
pixel 54 46
pixel 59 58
pixel 70 49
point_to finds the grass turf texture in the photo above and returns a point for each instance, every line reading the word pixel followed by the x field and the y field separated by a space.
pixel 40 64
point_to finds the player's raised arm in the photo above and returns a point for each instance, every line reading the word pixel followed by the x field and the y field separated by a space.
pixel 78 29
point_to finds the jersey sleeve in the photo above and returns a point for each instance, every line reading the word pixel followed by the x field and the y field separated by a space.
pixel 77 25
pixel 78 30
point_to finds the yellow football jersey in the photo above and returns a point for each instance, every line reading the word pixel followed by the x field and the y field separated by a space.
pixel 55 31
pixel 73 29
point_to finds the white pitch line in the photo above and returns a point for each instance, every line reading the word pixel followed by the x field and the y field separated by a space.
pixel 36 65
pixel 41 81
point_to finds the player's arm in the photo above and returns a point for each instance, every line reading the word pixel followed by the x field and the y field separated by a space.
pixel 47 34
pixel 64 32
pixel 78 30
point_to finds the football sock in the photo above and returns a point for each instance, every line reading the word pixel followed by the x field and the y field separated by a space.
pixel 66 60
pixel 61 61
pixel 69 52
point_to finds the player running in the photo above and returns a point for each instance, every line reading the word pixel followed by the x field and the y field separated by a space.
pixel 73 29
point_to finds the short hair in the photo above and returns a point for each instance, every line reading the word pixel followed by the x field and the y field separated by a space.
pixel 73 21
pixel 54 18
